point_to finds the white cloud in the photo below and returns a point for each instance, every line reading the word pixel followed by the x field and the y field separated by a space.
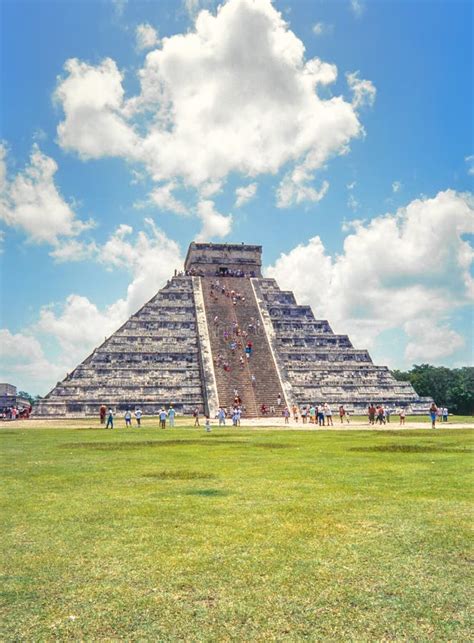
pixel 119 6
pixel 194 6
pixel 322 29
pixel 470 161
pixel 357 7
pixel 351 186
pixel 396 186
pixel 210 188
pixel 93 102
pixel 163 197
pixel 206 109
pixel 146 36
pixel 214 224
pixel 74 250
pixel 3 167
pixel 395 270
pixel 352 202
pixel 23 363
pixel 32 201
pixel 428 339
pixel 244 194
pixel 294 188
pixel 363 91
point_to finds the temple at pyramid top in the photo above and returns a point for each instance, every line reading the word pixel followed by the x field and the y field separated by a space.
pixel 224 258
pixel 218 334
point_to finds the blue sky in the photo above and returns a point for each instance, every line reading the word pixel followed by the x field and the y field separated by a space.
pixel 336 134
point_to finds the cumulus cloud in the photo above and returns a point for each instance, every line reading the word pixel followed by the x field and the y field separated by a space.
pixel 352 202
pixel 32 201
pixel 163 197
pixel 234 95
pixel 363 91
pixel 24 363
pixel 74 250
pixel 357 8
pixel 430 340
pixel 470 163
pixel 3 167
pixel 295 188
pixel 93 102
pixel 321 29
pixel 244 194
pixel 146 36
pixel 396 186
pixel 214 224
pixel 395 270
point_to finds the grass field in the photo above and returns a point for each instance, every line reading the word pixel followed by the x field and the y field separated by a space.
pixel 236 535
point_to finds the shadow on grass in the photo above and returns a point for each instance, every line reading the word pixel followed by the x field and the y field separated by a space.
pixel 179 475
pixel 410 448
pixel 119 446
pixel 210 493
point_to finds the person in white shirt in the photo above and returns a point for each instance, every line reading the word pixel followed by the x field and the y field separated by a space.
pixel 138 415
pixel 110 419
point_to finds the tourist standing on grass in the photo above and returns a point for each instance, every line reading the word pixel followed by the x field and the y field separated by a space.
pixel 402 416
pixel 208 424
pixel 102 413
pixel 128 418
pixel 371 414
pixel 433 415
pixel 312 414
pixel 286 415
pixel 342 413
pixel 321 415
pixel 380 415
pixel 171 414
pixel 445 414
pixel 110 419
pixel 163 416
pixel 221 416
pixel 196 417
pixel 328 414
pixel 304 413
pixel 388 413
pixel 138 416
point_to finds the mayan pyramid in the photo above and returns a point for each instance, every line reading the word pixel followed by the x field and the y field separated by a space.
pixel 186 347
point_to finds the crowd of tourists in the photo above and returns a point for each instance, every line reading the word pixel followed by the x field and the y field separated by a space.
pixel 15 412
pixel 228 272
pixel 237 343
pixel 317 414
pixel 107 415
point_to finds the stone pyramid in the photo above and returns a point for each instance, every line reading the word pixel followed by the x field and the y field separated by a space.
pixel 187 347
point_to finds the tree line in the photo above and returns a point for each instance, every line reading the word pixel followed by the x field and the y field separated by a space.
pixel 450 387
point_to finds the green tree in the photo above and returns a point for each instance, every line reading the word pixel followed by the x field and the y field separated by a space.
pixel 450 387
pixel 27 396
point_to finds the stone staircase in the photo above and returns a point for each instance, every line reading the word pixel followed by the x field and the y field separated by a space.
pixel 245 313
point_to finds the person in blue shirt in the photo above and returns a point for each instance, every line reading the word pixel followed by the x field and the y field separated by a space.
pixel 163 416
pixel 171 414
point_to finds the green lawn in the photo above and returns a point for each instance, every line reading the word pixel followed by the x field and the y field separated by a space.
pixel 236 535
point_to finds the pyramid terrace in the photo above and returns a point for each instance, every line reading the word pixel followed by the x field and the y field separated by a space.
pixel 217 331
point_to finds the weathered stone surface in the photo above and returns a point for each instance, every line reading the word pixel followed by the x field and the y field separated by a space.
pixel 171 351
